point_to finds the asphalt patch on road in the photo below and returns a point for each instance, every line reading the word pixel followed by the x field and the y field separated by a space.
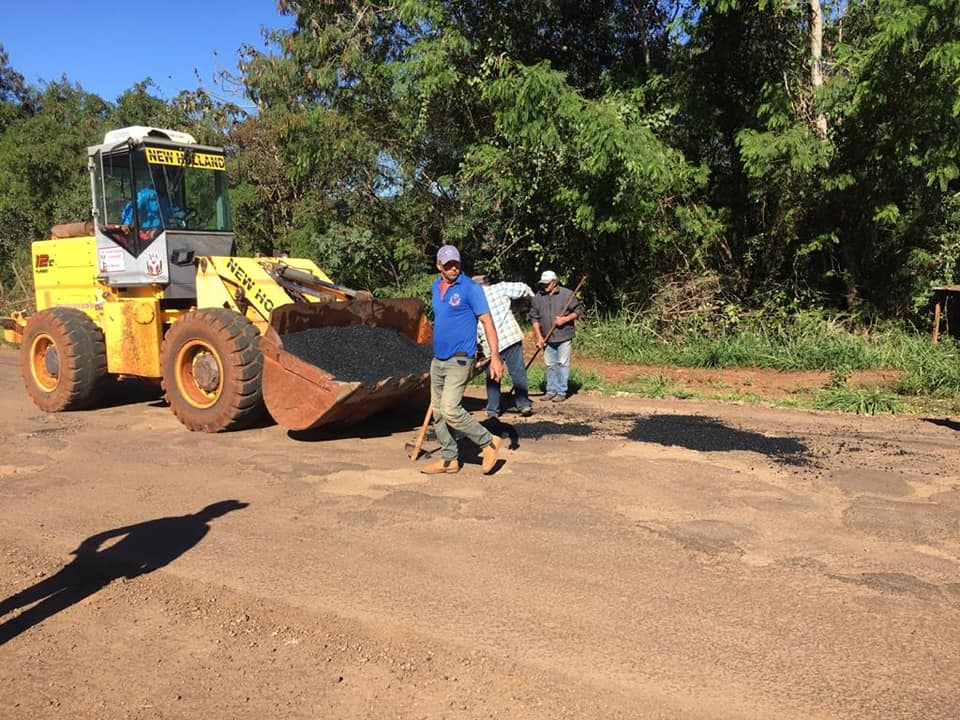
pixel 709 435
pixel 918 522
pixel 896 584
pixel 711 537
pixel 857 481
pixel 688 431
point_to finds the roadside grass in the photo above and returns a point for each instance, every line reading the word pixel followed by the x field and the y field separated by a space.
pixel 812 341
pixel 862 402
pixel 583 380
pixel 653 386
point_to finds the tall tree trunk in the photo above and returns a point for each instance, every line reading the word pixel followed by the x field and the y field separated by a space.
pixel 816 60
pixel 851 251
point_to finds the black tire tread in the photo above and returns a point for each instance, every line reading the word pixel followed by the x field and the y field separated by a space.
pixel 237 341
pixel 83 359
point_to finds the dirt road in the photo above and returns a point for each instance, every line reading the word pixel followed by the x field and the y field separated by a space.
pixel 631 559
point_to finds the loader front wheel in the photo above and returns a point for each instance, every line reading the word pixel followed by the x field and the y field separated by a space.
pixel 63 359
pixel 212 369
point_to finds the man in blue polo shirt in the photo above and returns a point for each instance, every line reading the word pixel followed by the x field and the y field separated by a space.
pixel 458 304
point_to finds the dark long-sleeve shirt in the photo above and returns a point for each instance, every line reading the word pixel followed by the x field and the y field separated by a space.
pixel 544 309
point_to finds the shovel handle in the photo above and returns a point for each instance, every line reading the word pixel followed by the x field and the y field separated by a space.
pixel 415 453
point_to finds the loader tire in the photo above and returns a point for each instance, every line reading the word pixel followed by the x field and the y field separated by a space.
pixel 63 359
pixel 211 369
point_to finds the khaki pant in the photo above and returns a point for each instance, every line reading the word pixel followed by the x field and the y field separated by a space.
pixel 448 380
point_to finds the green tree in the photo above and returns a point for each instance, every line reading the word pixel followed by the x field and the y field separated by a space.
pixel 420 123
pixel 43 166
pixel 586 186
pixel 896 94
pixel 837 183
pixel 14 95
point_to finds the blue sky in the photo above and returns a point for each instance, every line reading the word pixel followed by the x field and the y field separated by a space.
pixel 108 45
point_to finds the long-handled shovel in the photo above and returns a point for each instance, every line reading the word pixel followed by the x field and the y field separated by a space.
pixel 554 327
pixel 415 449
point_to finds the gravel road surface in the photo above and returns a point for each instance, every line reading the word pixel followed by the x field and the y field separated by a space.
pixel 630 559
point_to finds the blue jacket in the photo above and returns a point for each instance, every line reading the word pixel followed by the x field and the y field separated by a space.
pixel 149 207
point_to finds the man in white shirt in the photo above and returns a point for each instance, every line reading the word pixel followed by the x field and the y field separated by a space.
pixel 510 338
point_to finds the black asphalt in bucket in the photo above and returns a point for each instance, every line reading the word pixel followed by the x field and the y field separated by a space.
pixel 359 353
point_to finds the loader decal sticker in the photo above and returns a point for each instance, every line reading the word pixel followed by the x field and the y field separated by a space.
pixel 43 262
pixel 240 274
pixel 154 264
pixel 111 259
pixel 246 282
pixel 199 160
pixel 261 297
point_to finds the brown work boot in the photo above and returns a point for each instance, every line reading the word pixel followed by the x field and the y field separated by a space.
pixel 441 466
pixel 489 455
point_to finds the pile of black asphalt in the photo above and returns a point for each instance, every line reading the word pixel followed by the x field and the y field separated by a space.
pixel 359 353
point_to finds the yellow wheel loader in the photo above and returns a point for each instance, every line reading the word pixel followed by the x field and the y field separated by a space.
pixel 151 288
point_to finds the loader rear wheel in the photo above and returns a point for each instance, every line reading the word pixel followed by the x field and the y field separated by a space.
pixel 211 369
pixel 63 359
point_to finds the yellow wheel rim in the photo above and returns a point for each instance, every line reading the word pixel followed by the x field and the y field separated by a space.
pixel 199 374
pixel 44 363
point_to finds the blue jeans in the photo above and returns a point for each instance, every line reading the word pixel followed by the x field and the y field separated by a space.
pixel 513 358
pixel 448 380
pixel 557 358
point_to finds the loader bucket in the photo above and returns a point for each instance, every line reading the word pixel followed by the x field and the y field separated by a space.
pixel 301 395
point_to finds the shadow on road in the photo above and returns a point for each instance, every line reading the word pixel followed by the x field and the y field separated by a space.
pixel 385 423
pixel 709 435
pixel 943 422
pixel 129 391
pixel 141 548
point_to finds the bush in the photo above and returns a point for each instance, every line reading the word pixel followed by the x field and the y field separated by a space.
pixel 16 287
pixel 418 286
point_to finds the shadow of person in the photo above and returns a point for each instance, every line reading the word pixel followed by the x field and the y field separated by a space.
pixel 498 427
pixel 140 549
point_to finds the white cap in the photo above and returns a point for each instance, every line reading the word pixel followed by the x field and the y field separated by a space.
pixel 548 277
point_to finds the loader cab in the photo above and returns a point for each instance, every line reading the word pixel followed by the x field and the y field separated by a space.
pixel 159 200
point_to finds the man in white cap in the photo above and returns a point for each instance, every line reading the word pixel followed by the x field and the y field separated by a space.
pixel 458 304
pixel 556 309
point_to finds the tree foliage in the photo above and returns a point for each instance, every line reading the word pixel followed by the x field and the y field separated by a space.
pixel 632 142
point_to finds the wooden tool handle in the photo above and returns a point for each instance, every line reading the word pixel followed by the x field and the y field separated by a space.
pixel 422 434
